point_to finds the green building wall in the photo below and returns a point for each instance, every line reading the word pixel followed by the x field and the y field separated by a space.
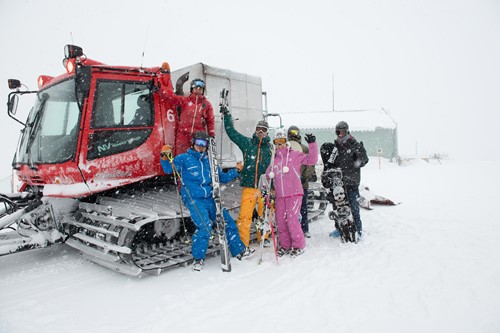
pixel 383 140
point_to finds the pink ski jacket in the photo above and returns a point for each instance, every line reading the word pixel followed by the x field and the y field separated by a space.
pixel 286 169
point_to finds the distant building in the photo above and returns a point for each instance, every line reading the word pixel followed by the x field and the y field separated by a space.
pixel 375 128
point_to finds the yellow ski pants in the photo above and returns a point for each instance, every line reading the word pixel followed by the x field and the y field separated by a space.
pixel 249 198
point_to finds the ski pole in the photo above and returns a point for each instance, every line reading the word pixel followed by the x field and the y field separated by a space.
pixel 180 207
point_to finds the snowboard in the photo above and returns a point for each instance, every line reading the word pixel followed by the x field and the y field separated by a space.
pixel 331 179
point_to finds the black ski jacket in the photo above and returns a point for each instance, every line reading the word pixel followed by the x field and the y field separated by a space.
pixel 351 157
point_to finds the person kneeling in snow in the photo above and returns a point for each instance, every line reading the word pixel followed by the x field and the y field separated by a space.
pixel 288 190
pixel 193 169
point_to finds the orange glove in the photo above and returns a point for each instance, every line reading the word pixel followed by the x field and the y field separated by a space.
pixel 166 152
pixel 239 166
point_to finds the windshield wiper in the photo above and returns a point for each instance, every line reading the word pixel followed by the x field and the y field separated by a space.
pixel 35 128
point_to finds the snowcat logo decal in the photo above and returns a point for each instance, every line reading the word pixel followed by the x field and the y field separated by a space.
pixel 110 145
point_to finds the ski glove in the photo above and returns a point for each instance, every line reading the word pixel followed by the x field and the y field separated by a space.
pixel 166 152
pixel 224 110
pixel 310 138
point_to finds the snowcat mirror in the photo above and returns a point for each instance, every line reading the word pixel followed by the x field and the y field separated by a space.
pixel 14 84
pixel 83 77
pixel 12 104
pixel 72 51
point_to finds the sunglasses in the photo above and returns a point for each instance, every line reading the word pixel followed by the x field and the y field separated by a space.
pixel 261 130
pixel 342 131
pixel 280 141
pixel 198 84
pixel 201 143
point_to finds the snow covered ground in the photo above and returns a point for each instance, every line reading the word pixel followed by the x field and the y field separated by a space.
pixel 431 264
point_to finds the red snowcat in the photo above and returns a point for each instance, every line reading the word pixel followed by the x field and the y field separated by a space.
pixel 87 171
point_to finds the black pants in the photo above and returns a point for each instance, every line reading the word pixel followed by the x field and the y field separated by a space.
pixel 303 213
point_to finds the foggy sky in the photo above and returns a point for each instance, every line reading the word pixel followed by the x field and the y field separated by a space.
pixel 433 64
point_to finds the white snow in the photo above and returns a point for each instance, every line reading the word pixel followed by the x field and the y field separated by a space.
pixel 431 264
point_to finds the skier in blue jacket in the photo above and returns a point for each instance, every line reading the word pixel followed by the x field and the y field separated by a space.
pixel 193 168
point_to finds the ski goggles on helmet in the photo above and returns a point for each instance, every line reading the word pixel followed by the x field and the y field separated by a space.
pixel 260 130
pixel 280 141
pixel 198 84
pixel 293 132
pixel 201 142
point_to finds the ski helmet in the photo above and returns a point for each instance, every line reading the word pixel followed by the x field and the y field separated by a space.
pixel 262 126
pixel 202 136
pixel 293 133
pixel 342 125
pixel 197 83
pixel 280 137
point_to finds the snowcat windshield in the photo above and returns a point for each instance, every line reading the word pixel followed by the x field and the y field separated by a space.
pixel 51 132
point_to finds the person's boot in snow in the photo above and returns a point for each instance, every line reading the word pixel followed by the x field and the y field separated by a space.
pixel 335 233
pixel 296 252
pixel 197 265
pixel 246 253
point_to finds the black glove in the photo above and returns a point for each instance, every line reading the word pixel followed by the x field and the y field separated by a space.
pixel 310 138
pixel 313 178
pixel 224 110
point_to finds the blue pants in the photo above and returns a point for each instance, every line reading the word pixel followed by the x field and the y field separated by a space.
pixel 353 196
pixel 203 214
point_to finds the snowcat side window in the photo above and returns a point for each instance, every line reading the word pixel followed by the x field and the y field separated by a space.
pixel 122 104
pixel 119 108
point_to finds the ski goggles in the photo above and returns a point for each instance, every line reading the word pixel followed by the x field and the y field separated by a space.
pixel 293 132
pixel 280 141
pixel 260 130
pixel 198 84
pixel 201 143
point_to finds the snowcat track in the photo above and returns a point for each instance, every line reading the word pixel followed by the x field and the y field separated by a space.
pixel 137 231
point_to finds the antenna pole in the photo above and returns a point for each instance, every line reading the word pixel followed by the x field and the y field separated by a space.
pixel 333 92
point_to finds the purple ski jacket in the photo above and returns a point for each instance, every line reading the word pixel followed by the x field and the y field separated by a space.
pixel 287 183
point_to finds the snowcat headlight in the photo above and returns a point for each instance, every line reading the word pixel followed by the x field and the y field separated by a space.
pixel 69 64
pixel 43 80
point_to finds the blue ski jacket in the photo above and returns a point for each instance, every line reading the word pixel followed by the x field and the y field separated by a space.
pixel 194 170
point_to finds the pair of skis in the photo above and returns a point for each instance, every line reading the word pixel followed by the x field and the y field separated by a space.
pixel 216 193
pixel 267 223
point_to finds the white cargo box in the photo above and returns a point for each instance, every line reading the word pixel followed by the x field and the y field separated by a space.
pixel 245 103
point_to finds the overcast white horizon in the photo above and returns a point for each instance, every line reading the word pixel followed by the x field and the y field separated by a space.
pixel 432 64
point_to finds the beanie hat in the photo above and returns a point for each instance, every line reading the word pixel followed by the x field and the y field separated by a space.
pixel 165 67
pixel 280 134
pixel 263 124
pixel 342 125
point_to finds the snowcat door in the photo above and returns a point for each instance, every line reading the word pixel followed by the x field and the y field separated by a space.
pixel 120 145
